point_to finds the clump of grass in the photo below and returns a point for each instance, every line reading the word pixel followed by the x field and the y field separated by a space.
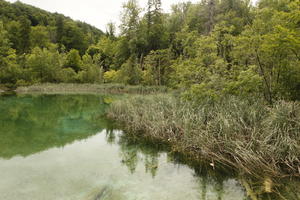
pixel 3 88
pixel 50 88
pixel 245 134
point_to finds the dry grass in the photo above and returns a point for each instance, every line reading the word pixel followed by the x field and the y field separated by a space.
pixel 69 88
pixel 244 134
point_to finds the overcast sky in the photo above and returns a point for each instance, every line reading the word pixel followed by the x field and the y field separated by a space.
pixel 94 12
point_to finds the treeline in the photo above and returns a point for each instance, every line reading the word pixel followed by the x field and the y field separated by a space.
pixel 209 49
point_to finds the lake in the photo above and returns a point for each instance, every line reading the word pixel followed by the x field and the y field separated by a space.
pixel 62 147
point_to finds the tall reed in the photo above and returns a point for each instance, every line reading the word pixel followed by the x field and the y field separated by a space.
pixel 244 134
pixel 91 88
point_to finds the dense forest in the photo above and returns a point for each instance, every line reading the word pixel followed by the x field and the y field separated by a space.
pixel 38 46
pixel 208 49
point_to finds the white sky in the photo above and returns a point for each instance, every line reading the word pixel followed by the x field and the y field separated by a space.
pixel 95 12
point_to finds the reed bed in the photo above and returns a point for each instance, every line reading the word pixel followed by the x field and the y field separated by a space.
pixel 245 134
pixel 50 88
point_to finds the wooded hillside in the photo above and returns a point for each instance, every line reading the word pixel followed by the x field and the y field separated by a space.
pixel 209 49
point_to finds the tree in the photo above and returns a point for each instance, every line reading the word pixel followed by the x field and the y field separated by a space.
pixel 25 30
pixel 44 65
pixel 156 30
pixel 39 37
pixel 104 52
pixel 111 30
pixel 14 34
pixel 74 38
pixel 90 73
pixel 129 25
pixel 271 44
pixel 130 18
pixel 59 28
pixel 9 70
pixel 73 60
pixel 157 67
pixel 130 73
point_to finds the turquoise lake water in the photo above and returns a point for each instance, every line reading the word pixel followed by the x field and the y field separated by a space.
pixel 61 147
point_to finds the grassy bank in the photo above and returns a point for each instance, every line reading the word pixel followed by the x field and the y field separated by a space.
pixel 63 88
pixel 246 135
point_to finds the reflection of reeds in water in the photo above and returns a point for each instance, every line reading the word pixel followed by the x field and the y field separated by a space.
pixel 104 193
pixel 271 189
pixel 107 192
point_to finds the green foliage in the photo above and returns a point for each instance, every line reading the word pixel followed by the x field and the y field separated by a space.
pixel 186 73
pixel 44 65
pixel 39 37
pixel 104 52
pixel 73 60
pixel 9 70
pixel 21 20
pixel 73 38
pixel 111 76
pixel 25 30
pixel 248 83
pixel 91 73
pixel 14 34
pixel 67 75
pixel 272 45
pixel 130 73
pixel 157 66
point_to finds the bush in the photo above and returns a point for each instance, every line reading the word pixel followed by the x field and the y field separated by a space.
pixel 44 65
pixel 110 76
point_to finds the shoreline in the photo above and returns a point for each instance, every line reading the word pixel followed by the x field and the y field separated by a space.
pixel 189 140
pixel 71 88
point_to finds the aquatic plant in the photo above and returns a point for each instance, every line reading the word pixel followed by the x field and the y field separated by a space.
pixel 91 88
pixel 242 133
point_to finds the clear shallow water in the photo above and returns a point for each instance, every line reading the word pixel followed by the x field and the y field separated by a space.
pixel 61 147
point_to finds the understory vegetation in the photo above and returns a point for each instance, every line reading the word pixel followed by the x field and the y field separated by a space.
pixel 245 134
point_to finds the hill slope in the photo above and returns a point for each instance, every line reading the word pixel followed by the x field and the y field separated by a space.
pixel 22 20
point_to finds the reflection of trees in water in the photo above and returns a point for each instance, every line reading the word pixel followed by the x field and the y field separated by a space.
pixel 135 150
pixel 130 151
pixel 151 164
pixel 130 158
pixel 29 124
pixel 110 136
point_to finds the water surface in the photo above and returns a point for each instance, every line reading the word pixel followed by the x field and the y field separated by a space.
pixel 62 147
